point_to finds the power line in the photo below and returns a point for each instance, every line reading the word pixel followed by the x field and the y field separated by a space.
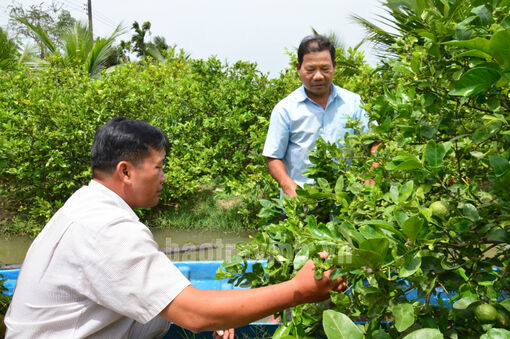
pixel 82 8
pixel 76 3
pixel 103 17
pixel 72 8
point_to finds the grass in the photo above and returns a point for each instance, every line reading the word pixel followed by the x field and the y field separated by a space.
pixel 20 225
pixel 206 209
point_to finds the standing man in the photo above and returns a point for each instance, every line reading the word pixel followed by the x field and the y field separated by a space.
pixel 95 270
pixel 317 108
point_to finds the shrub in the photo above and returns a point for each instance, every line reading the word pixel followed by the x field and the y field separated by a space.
pixel 215 116
pixel 443 112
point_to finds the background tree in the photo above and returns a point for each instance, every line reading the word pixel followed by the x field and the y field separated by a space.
pixel 156 48
pixel 8 51
pixel 79 49
pixel 138 38
pixel 51 19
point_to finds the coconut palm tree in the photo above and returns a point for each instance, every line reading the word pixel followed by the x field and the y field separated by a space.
pixel 138 39
pixel 79 48
pixel 407 18
pixel 8 51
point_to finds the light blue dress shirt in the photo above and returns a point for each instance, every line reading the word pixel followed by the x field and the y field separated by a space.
pixel 297 122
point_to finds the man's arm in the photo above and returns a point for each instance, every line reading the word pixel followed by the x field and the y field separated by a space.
pixel 200 310
pixel 278 171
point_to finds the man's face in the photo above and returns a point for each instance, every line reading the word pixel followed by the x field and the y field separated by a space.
pixel 316 73
pixel 147 180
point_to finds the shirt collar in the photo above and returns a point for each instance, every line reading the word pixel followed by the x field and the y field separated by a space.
pixel 114 196
pixel 332 95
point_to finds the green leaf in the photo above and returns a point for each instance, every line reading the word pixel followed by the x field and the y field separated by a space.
pixel 384 225
pixel 321 232
pixel 496 333
pixel 498 46
pixel 475 81
pixel 323 184
pixel 464 303
pixel 411 265
pixel 470 212
pixel 506 304
pixel 367 258
pixel 282 331
pixel 405 191
pixel 377 245
pixel 499 165
pixel 404 162
pixel 266 203
pixel 462 273
pixel 412 227
pixel 499 234
pixel 404 316
pixel 434 154
pixel 350 232
pixel 394 193
pixel 302 256
pixel 339 187
pixel 483 13
pixel 425 333
pixel 338 326
pixel 41 34
pixel 337 273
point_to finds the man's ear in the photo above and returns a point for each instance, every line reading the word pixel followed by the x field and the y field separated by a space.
pixel 298 66
pixel 123 171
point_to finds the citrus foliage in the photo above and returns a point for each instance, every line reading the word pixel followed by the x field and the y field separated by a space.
pixel 425 245
pixel 215 116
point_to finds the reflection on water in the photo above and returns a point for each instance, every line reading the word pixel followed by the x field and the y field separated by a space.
pixel 224 243
pixel 13 249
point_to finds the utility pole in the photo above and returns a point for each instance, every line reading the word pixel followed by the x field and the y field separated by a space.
pixel 89 10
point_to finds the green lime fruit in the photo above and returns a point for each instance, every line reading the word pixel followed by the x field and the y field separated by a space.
pixel 439 209
pixel 486 313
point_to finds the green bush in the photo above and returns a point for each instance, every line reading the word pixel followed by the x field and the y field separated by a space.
pixel 215 116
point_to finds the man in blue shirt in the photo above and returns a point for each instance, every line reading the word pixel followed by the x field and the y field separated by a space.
pixel 317 108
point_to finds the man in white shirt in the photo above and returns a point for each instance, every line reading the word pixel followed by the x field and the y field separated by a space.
pixel 95 270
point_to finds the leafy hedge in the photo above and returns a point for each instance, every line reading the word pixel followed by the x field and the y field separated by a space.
pixel 215 116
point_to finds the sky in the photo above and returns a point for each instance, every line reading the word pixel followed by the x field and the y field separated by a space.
pixel 259 31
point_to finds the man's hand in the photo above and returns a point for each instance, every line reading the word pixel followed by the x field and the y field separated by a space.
pixel 224 334
pixel 290 189
pixel 371 181
pixel 278 171
pixel 373 149
pixel 310 289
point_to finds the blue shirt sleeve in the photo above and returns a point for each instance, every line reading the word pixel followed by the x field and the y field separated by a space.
pixel 278 134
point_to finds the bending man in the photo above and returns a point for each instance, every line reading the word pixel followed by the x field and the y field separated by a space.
pixel 96 271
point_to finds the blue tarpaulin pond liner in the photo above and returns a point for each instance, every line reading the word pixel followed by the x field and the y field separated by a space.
pixel 202 275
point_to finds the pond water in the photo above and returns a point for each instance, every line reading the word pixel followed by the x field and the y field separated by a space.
pixel 13 249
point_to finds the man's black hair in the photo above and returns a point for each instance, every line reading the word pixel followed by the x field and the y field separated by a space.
pixel 315 43
pixel 121 139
